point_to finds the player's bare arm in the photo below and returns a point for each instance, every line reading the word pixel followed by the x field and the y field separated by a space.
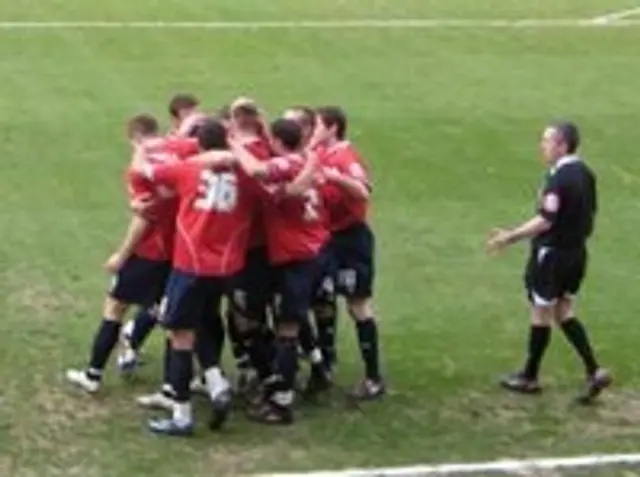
pixel 502 238
pixel 214 158
pixel 249 163
pixel 305 178
pixel 357 188
pixel 138 225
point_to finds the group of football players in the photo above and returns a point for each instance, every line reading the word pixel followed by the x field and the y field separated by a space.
pixel 246 231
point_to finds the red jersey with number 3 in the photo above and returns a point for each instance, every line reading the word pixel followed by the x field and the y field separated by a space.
pixel 296 225
pixel 215 213
pixel 348 210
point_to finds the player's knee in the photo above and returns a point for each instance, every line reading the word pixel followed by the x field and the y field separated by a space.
pixel 564 310
pixel 288 329
pixel 114 310
pixel 182 339
pixel 360 309
pixel 542 315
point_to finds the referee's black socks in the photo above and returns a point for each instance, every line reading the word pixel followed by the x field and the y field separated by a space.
pixel 577 336
pixel 539 337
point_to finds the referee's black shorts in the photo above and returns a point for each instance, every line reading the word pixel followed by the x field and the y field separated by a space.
pixel 553 273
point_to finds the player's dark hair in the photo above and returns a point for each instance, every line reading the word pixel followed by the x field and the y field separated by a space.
pixel 212 135
pixel 144 124
pixel 288 132
pixel 569 134
pixel 334 116
pixel 181 102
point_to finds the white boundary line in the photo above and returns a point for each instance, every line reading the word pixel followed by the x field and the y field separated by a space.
pixel 615 16
pixel 433 23
pixel 522 467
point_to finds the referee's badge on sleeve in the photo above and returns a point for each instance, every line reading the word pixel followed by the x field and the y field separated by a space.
pixel 551 203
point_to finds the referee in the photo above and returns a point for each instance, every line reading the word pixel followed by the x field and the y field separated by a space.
pixel 559 231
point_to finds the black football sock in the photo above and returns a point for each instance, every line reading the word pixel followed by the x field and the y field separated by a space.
pixel 209 342
pixel 143 325
pixel 309 345
pixel 180 374
pixel 103 343
pixel 262 352
pixel 326 324
pixel 539 337
pixel 368 341
pixel 239 347
pixel 286 368
pixel 576 334
pixel 307 338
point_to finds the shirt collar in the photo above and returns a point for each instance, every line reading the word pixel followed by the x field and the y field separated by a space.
pixel 564 161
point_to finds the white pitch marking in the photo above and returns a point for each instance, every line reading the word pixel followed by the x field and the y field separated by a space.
pixel 496 467
pixel 433 23
pixel 610 17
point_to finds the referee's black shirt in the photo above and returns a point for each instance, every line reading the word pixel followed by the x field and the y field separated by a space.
pixel 569 202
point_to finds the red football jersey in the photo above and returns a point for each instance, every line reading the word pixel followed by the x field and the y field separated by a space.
pixel 215 212
pixel 260 149
pixel 348 210
pixel 182 147
pixel 296 226
pixel 157 241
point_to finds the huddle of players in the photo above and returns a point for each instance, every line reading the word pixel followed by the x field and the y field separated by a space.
pixel 272 218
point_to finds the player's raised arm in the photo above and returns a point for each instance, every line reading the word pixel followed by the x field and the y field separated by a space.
pixel 214 158
pixel 253 166
pixel 305 178
pixel 353 183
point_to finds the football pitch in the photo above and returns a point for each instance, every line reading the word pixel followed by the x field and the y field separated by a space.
pixel 448 111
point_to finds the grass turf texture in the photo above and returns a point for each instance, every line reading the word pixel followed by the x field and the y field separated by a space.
pixel 449 120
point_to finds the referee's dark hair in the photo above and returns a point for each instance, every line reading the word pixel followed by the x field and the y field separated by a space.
pixel 569 134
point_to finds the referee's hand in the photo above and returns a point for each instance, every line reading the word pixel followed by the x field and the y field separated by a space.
pixel 498 240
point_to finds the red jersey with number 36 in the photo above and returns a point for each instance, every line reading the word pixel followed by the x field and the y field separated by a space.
pixel 296 225
pixel 348 210
pixel 215 213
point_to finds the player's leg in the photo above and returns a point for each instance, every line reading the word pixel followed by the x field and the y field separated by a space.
pixel 250 300
pixel 130 286
pixel 542 292
pixel 237 339
pixel 135 336
pixel 292 301
pixel 325 311
pixel 185 301
pixel 209 343
pixel 104 342
pixel 356 278
pixel 164 398
pixel 572 268
pixel 154 282
pixel 323 297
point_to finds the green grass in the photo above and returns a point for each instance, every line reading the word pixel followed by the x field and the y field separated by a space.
pixel 449 119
